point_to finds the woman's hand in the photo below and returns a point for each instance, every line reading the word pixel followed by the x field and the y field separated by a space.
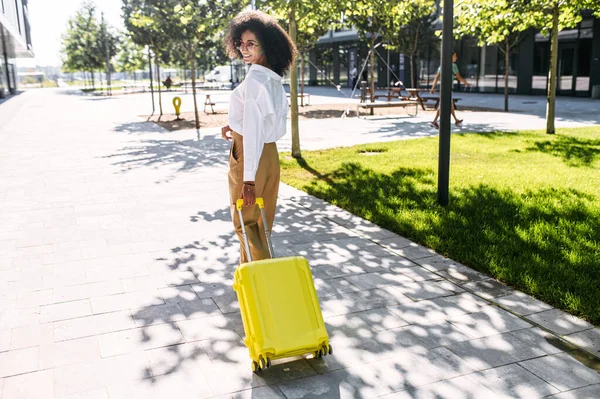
pixel 224 131
pixel 248 193
pixel 432 90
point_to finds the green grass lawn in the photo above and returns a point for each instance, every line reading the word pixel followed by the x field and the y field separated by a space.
pixel 524 207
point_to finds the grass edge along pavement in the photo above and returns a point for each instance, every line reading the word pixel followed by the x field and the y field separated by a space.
pixel 524 207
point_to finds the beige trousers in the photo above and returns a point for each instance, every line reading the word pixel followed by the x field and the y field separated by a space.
pixel 267 187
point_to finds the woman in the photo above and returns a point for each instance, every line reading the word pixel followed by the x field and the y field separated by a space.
pixel 257 119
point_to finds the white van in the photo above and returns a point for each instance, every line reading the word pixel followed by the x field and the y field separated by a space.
pixel 221 74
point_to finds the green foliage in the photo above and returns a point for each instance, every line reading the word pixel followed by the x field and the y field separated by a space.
pixel 524 208
pixel 313 18
pixel 131 56
pixel 83 44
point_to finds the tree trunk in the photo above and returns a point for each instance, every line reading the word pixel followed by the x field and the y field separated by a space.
pixel 371 70
pixel 551 106
pixel 302 80
pixel 158 82
pixel 193 68
pixel 506 61
pixel 93 82
pixel 294 91
pixel 412 71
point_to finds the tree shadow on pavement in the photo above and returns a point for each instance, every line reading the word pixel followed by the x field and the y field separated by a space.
pixel 184 155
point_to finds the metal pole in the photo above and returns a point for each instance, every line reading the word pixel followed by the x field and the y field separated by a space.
pixel 150 73
pixel 445 103
pixel 104 33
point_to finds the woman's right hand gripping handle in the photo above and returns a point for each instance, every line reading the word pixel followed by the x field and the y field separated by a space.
pixel 224 131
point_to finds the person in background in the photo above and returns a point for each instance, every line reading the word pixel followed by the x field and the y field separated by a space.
pixel 456 74
pixel 257 119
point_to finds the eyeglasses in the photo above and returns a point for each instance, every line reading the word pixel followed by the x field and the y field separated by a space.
pixel 249 46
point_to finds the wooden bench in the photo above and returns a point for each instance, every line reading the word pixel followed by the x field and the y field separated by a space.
pixel 436 99
pixel 389 104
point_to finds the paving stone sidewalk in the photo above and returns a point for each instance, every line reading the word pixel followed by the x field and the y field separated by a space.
pixel 116 263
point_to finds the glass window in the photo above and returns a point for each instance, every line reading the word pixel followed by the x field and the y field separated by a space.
pixel 541 62
pixel 584 64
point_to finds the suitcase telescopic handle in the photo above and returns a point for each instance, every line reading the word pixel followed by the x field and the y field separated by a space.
pixel 239 204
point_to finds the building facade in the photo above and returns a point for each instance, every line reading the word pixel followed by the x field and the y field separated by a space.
pixel 15 42
pixel 578 63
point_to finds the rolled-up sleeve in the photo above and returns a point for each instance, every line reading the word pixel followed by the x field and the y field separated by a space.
pixel 254 141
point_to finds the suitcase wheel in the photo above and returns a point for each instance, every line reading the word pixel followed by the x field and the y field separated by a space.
pixel 330 349
pixel 268 362
pixel 262 363
pixel 255 367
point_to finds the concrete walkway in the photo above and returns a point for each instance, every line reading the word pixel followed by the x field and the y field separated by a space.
pixel 116 260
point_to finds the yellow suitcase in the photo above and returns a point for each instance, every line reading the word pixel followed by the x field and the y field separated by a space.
pixel 279 305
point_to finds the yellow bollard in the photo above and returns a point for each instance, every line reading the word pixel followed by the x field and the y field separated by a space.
pixel 177 105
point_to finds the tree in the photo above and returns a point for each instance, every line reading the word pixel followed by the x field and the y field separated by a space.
pixel 151 23
pixel 553 16
pixel 131 57
pixel 413 27
pixel 501 23
pixel 313 20
pixel 372 19
pixel 80 43
pixel 198 22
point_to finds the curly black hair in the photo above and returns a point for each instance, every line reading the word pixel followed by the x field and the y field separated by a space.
pixel 278 47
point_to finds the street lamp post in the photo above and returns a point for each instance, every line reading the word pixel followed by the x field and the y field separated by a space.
pixel 445 103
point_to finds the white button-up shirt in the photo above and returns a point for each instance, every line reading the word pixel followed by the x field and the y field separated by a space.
pixel 258 111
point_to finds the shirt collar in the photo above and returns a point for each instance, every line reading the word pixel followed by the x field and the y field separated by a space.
pixel 270 72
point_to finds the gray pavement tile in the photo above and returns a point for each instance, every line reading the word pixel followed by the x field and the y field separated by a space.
pixel 588 340
pixel 92 325
pixel 336 271
pixel 176 278
pixel 143 338
pixel 515 382
pixel 380 319
pixel 14 318
pixel 374 280
pixel 69 352
pixel 434 309
pixel 522 304
pixel 178 294
pixel 489 321
pixel 65 310
pixel 336 305
pixel 423 290
pixel 159 314
pixel 227 303
pixel 589 392
pixel 19 361
pixel 464 387
pixel 179 385
pixel 198 308
pixel 562 371
pixel 437 263
pixel 5 340
pixel 90 376
pixel 265 392
pixel 95 394
pixel 213 290
pixel 171 359
pixel 84 291
pixel 201 329
pixel 538 338
pixel 130 300
pixel 437 333
pixel 36 298
pixel 29 386
pixel 394 243
pixel 461 275
pixel 143 283
pixel 488 288
pixel 414 252
pixel 559 322
pixel 360 382
pixel 416 273
pixel 495 351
